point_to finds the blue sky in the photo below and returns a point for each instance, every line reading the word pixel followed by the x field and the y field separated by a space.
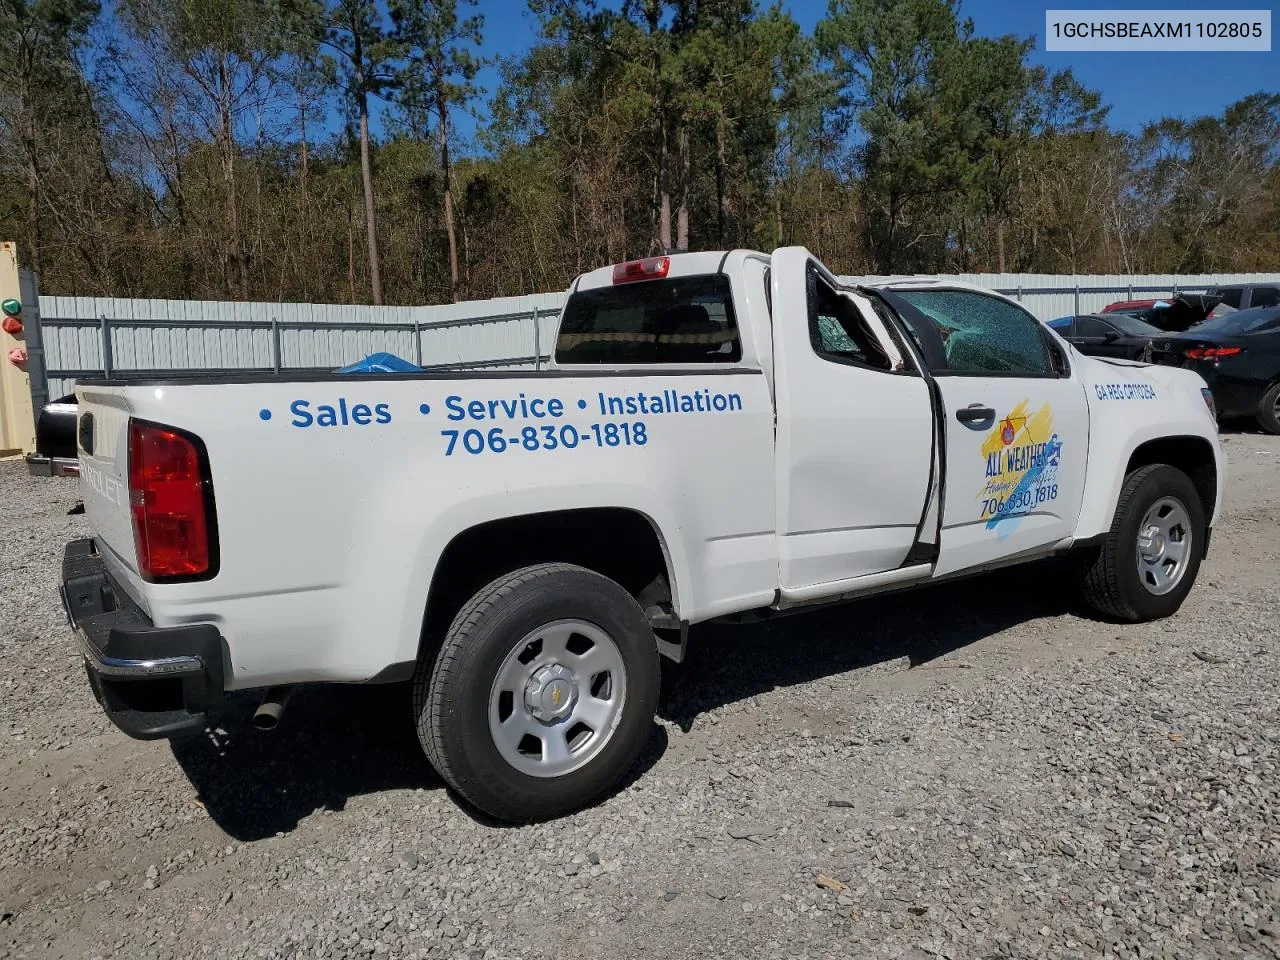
pixel 1139 86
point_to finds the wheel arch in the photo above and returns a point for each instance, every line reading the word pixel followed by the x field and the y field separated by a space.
pixel 622 543
pixel 1194 454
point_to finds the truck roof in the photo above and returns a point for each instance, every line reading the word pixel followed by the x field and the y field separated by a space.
pixel 684 264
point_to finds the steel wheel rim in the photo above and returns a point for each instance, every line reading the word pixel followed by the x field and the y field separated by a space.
pixel 564 686
pixel 1164 546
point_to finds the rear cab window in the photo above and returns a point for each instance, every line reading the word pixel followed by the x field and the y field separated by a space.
pixel 663 322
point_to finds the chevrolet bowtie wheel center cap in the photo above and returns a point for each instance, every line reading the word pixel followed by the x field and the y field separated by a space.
pixel 551 693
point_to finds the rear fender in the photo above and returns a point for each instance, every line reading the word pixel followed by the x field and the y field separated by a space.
pixel 466 515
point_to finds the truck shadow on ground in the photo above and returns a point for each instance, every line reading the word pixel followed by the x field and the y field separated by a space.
pixel 334 742
pixel 728 663
pixel 338 742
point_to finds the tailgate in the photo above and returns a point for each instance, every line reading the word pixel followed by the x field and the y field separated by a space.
pixel 103 446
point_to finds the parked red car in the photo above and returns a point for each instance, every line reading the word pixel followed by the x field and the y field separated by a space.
pixel 1129 306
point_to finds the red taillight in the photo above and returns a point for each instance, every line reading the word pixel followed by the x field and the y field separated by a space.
pixel 655 268
pixel 1213 353
pixel 171 502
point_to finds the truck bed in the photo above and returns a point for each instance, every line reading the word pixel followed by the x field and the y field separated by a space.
pixel 335 495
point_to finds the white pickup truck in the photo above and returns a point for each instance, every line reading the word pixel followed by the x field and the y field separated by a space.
pixel 720 436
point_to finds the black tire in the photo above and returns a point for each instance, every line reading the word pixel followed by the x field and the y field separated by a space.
pixel 1112 585
pixel 451 696
pixel 1267 409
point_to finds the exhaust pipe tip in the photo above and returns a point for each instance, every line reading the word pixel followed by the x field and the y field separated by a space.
pixel 267 716
pixel 269 712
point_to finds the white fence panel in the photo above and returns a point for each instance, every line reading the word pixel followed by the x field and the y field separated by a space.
pixel 1050 296
pixel 478 342
pixel 201 335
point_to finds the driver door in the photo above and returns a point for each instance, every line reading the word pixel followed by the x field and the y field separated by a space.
pixel 856 460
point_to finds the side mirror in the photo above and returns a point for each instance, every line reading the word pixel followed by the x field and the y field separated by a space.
pixel 1110 337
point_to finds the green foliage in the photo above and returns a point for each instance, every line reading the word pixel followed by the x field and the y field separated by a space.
pixel 214 149
pixel 45 107
pixel 439 64
pixel 362 52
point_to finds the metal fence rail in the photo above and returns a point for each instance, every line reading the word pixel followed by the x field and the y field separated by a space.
pixel 268 349
pixel 1090 299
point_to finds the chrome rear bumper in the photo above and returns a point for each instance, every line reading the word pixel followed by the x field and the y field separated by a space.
pixel 152 681
pixel 39 465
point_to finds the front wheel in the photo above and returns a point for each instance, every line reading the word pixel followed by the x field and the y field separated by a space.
pixel 543 692
pixel 1150 558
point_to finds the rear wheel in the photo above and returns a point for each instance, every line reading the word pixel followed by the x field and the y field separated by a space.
pixel 1150 558
pixel 1269 410
pixel 543 692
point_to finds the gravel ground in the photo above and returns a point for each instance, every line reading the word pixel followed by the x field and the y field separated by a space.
pixel 972 771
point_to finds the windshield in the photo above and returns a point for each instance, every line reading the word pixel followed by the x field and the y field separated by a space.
pixel 684 320
pixel 1240 321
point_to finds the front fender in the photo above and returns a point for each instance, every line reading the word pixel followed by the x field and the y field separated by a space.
pixel 1131 405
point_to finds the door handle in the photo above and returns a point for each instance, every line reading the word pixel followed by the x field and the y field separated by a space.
pixel 976 416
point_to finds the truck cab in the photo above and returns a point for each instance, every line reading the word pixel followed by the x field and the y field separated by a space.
pixel 923 427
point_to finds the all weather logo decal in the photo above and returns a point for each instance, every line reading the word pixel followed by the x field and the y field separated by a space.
pixel 1022 454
